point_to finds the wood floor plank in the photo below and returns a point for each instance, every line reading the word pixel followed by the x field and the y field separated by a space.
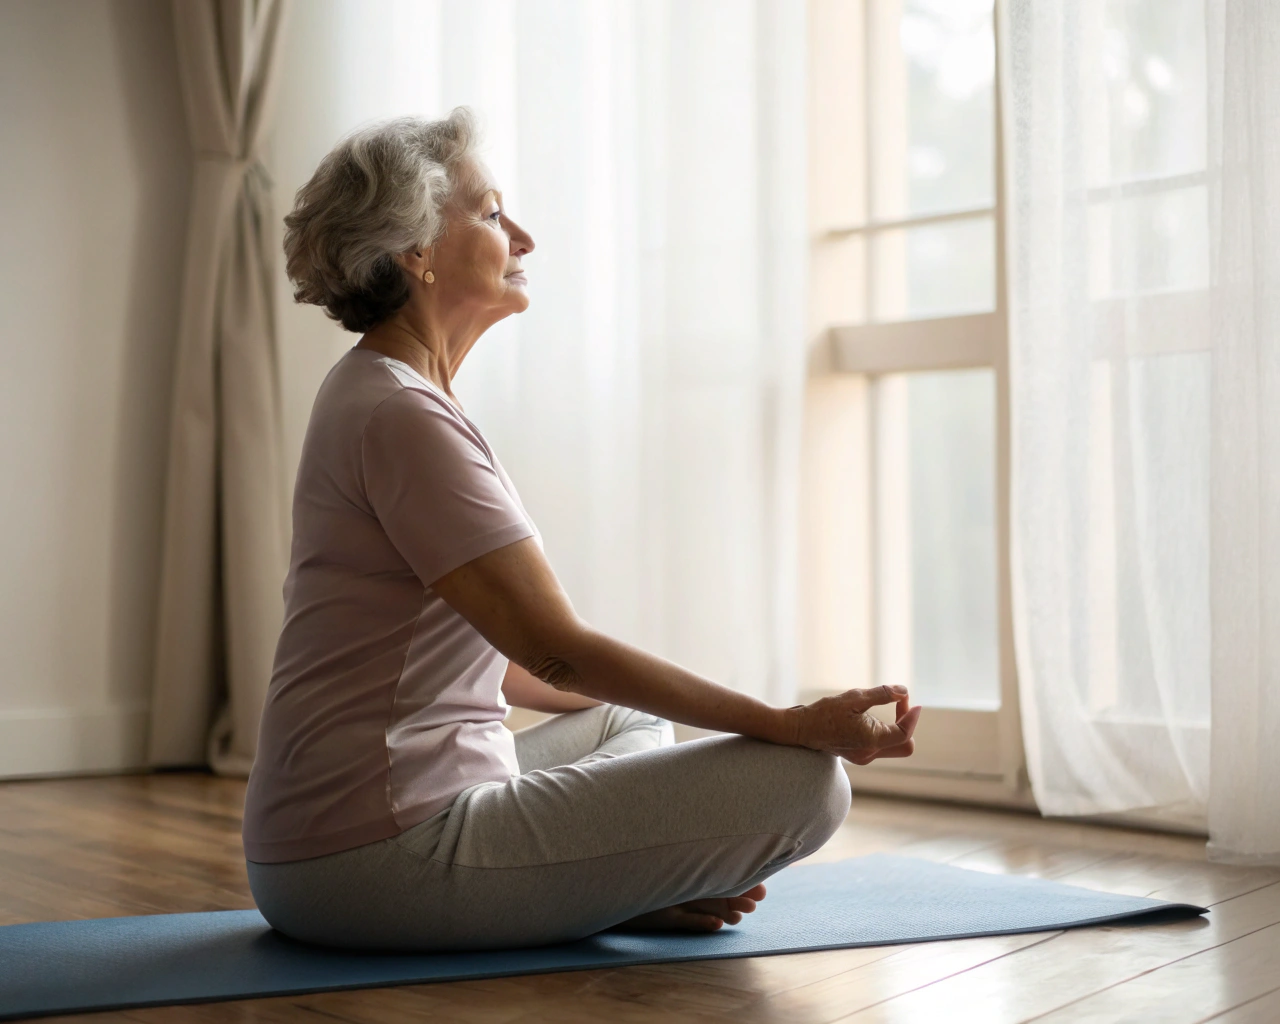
pixel 76 848
pixel 474 1003
pixel 882 979
pixel 760 977
pixel 284 1010
pixel 1035 860
pixel 1043 978
pixel 1190 989
pixel 1263 1010
pixel 1168 879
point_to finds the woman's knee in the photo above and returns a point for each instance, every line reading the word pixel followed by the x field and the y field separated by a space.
pixel 823 789
pixel 807 789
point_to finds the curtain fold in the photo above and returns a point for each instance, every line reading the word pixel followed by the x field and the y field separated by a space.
pixel 226 515
pixel 1244 205
pixel 1141 150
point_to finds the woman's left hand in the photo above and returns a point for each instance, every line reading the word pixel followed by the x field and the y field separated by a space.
pixel 842 724
pixel 869 754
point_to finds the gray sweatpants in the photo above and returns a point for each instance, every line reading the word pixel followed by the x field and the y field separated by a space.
pixel 609 819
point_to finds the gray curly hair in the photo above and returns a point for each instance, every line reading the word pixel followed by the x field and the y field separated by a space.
pixel 381 191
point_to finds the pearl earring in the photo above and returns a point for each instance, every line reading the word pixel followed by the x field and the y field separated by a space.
pixel 428 277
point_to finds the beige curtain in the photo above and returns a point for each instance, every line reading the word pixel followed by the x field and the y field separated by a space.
pixel 226 513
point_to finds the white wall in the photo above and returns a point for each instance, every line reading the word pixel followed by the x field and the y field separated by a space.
pixel 94 173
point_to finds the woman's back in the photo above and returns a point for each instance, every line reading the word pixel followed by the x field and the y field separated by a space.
pixel 384 703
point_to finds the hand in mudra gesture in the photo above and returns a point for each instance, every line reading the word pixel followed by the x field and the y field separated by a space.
pixel 841 725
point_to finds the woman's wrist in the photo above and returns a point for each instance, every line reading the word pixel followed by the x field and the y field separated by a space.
pixel 772 724
pixel 790 725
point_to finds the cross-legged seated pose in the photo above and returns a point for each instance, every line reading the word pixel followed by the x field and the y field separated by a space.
pixel 388 806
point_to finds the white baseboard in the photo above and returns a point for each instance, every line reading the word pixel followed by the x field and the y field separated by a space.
pixel 37 742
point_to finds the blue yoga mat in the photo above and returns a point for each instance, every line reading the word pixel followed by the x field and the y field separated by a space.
pixel 163 959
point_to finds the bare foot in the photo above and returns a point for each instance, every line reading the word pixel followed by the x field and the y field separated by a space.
pixel 696 915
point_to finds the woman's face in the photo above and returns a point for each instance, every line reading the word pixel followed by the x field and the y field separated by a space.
pixel 477 261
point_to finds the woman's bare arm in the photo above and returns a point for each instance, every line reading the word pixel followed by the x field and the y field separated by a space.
pixel 523 690
pixel 513 599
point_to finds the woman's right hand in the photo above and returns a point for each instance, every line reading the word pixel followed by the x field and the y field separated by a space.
pixel 841 725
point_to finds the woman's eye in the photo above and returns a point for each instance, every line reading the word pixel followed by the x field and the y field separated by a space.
pixel 495 215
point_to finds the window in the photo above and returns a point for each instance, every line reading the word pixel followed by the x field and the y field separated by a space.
pixel 906 543
pixel 906 575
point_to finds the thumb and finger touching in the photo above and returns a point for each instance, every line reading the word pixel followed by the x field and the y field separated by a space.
pixel 842 725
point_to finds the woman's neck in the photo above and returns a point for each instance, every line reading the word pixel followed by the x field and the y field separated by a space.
pixel 428 352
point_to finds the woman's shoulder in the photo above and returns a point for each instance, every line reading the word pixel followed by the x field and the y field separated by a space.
pixel 413 411
pixel 362 382
pixel 374 410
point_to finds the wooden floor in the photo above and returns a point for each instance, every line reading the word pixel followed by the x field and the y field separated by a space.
pixel 75 848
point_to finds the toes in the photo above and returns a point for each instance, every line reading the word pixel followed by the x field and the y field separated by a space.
pixel 729 908
pixel 721 909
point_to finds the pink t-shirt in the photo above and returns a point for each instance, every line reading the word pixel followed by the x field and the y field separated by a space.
pixel 384 702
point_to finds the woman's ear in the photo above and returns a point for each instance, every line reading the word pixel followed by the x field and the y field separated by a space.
pixel 415 262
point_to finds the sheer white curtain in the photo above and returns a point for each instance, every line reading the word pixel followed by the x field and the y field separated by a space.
pixel 647 404
pixel 1142 160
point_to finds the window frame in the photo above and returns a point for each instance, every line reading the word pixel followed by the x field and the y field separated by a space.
pixel 963 754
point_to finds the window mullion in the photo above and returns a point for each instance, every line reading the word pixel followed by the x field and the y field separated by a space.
pixel 904 346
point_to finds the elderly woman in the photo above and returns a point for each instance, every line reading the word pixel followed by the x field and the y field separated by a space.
pixel 389 807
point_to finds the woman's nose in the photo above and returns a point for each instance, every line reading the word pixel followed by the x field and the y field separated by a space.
pixel 521 242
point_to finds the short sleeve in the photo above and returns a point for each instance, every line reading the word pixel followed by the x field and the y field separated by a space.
pixel 433 487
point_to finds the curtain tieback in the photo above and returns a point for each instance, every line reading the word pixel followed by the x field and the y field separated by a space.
pixel 251 169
